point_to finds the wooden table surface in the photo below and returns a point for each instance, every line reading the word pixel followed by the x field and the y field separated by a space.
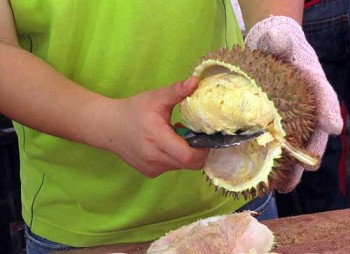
pixel 327 232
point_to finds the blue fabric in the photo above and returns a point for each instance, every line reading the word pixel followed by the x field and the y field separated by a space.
pixel 327 29
pixel 39 245
pixel 265 207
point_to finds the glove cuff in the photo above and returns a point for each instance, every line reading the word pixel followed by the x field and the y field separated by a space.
pixel 266 25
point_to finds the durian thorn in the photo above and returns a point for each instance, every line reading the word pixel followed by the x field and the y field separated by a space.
pixel 298 154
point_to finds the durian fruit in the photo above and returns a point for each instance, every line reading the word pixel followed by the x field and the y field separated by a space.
pixel 242 91
pixel 233 233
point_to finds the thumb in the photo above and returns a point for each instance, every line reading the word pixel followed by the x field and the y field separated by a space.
pixel 272 42
pixel 175 93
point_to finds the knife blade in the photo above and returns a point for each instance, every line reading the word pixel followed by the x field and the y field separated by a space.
pixel 217 140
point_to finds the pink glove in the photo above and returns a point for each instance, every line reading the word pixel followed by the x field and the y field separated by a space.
pixel 284 38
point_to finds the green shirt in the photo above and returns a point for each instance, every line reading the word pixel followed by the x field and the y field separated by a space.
pixel 82 196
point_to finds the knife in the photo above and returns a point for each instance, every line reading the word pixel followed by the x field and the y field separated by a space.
pixel 215 141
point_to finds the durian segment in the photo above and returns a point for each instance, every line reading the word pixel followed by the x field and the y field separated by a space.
pixel 227 100
pixel 294 100
pixel 240 168
pixel 233 233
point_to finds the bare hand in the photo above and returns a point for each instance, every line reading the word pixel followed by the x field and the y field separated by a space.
pixel 141 133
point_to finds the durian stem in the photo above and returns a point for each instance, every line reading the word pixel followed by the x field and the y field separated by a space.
pixel 298 154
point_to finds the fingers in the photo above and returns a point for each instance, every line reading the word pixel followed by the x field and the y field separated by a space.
pixel 317 146
pixel 162 162
pixel 157 154
pixel 293 180
pixel 175 93
pixel 178 148
pixel 318 142
pixel 330 119
pixel 158 148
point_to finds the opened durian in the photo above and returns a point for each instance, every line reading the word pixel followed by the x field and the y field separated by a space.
pixel 242 91
pixel 233 233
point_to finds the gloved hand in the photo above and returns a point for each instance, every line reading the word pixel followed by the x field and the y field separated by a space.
pixel 284 38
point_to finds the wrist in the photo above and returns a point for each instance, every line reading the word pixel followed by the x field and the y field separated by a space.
pixel 96 118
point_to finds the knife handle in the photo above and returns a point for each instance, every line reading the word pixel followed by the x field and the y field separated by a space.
pixel 182 131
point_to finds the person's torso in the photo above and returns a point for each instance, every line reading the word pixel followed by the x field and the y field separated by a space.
pixel 83 196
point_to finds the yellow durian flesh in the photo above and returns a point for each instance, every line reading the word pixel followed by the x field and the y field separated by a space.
pixel 211 109
pixel 227 100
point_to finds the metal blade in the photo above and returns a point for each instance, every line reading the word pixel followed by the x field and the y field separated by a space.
pixel 218 140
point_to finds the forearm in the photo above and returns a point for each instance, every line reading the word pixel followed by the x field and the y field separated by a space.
pixel 36 95
pixel 256 10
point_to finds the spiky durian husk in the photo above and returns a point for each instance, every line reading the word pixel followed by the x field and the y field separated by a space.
pixel 293 98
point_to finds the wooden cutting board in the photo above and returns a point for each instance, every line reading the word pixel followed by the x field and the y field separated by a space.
pixel 327 232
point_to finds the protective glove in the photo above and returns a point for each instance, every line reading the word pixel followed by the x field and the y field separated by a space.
pixel 284 38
